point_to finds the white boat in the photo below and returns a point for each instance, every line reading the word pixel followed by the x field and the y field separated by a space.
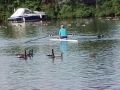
pixel 26 15
pixel 69 40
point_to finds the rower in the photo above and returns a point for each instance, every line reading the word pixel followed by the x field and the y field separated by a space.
pixel 62 32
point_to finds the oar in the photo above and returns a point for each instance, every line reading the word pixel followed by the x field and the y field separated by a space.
pixel 36 39
pixel 40 38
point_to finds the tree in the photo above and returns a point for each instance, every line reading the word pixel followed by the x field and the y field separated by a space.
pixel 116 7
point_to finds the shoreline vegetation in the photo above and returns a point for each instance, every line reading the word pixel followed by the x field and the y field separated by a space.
pixel 62 9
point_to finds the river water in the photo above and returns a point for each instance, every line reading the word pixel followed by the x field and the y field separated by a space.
pixel 91 64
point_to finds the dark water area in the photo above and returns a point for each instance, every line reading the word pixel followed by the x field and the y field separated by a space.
pixel 91 64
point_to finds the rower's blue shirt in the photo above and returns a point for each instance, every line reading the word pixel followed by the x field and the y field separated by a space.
pixel 62 32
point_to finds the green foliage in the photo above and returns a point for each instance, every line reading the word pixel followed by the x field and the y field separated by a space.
pixel 49 9
pixel 84 11
pixel 62 8
pixel 116 6
pixel 66 11
pixel 106 9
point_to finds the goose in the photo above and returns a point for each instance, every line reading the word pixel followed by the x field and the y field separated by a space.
pixel 30 54
pixel 51 55
pixel 22 55
pixel 93 55
pixel 55 56
pixel 61 55
pixel 100 36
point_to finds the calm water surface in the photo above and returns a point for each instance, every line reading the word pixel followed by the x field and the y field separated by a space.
pixel 91 64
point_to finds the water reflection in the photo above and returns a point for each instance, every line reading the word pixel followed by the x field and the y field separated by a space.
pixel 63 46
pixel 92 64
pixel 19 31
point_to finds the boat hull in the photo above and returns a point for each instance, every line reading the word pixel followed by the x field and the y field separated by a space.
pixel 68 40
pixel 26 19
pixel 26 15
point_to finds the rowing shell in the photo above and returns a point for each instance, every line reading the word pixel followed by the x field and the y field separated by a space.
pixel 69 40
